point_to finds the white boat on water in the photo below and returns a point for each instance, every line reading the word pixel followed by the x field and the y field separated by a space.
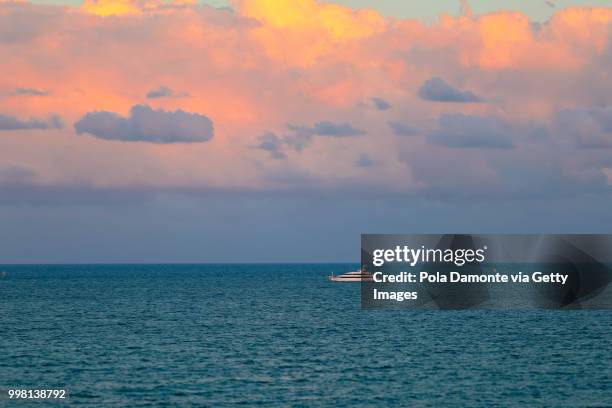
pixel 357 276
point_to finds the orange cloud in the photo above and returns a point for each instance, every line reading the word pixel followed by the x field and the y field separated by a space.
pixel 509 40
pixel 302 31
pixel 584 29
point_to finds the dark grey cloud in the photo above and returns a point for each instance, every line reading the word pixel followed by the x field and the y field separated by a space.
pixel 9 122
pixel 162 91
pixel 272 144
pixel 380 104
pixel 364 160
pixel 401 129
pixel 147 125
pixel 300 137
pixel 462 131
pixel 438 90
pixel 327 128
pixel 165 92
pixel 587 128
pixel 31 92
pixel 550 4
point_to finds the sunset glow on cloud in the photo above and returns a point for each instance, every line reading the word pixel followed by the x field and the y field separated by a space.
pixel 298 94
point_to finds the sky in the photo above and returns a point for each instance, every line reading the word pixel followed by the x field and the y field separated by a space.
pixel 272 131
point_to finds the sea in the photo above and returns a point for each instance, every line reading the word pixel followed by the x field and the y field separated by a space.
pixel 282 336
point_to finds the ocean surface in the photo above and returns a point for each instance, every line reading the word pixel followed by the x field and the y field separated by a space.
pixel 281 335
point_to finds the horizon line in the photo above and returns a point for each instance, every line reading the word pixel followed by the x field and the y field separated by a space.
pixel 168 263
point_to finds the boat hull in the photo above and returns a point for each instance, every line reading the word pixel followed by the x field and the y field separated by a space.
pixel 352 277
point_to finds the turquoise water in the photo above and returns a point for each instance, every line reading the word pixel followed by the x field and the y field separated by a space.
pixel 281 335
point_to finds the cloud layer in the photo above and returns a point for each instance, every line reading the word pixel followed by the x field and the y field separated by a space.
pixel 305 95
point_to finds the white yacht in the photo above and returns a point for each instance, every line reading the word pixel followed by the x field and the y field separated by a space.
pixel 357 276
